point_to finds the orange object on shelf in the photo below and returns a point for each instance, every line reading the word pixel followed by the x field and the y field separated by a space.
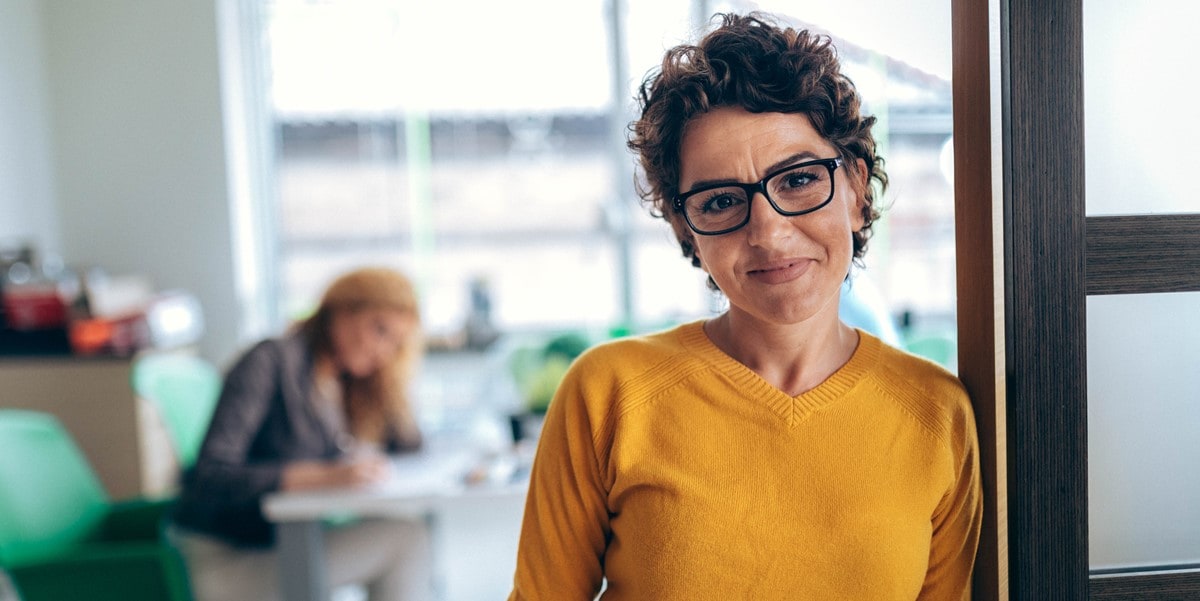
pixel 90 336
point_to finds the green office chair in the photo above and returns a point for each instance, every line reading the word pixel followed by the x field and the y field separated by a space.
pixel 60 535
pixel 185 389
pixel 940 347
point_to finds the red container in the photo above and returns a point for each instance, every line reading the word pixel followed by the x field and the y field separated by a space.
pixel 34 308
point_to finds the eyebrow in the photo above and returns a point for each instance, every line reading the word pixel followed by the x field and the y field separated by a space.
pixel 804 155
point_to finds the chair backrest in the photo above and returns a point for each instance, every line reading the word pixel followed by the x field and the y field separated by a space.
pixel 185 389
pixel 938 347
pixel 49 497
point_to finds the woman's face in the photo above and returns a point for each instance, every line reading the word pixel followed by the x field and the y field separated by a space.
pixel 775 269
pixel 367 339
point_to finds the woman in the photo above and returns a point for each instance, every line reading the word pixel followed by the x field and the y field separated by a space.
pixel 319 407
pixel 771 452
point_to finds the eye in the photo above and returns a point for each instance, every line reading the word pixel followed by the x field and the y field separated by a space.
pixel 721 200
pixel 797 179
pixel 380 328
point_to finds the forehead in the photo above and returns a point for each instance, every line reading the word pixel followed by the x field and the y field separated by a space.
pixel 382 315
pixel 733 142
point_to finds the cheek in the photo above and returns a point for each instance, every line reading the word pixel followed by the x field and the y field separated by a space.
pixel 717 256
pixel 349 347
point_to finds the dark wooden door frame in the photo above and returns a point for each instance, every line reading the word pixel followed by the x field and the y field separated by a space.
pixel 1033 416
pixel 1041 52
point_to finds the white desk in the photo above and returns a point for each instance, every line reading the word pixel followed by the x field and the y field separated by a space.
pixel 423 486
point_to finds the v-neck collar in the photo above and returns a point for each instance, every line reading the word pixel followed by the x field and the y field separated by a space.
pixel 791 409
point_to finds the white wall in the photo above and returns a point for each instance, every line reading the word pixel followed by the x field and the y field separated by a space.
pixel 129 92
pixel 27 203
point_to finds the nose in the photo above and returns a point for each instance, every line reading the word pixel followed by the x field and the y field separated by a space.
pixel 765 224
pixel 381 353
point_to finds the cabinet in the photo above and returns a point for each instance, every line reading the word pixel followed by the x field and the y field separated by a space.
pixel 122 435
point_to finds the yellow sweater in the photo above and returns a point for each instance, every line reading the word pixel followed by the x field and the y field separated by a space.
pixel 668 471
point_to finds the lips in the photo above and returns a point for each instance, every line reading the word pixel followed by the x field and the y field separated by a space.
pixel 779 272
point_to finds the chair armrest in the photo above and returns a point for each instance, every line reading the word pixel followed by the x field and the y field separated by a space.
pixel 135 520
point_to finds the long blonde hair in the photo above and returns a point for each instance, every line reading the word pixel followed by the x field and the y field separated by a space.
pixel 378 402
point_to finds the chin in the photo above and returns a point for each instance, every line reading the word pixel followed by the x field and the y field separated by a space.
pixel 360 371
pixel 785 312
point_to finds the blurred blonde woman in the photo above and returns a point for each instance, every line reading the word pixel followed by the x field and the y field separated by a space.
pixel 319 407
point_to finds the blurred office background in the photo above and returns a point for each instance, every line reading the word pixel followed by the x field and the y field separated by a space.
pixel 486 156
pixel 249 151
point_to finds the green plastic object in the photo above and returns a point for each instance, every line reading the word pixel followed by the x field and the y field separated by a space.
pixel 61 537
pixel 50 498
pixel 185 389
pixel 538 370
pixel 940 348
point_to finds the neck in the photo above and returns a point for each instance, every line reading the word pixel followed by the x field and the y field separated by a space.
pixel 794 358
pixel 323 366
pixel 326 375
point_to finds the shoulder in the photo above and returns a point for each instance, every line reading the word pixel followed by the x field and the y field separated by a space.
pixel 270 356
pixel 647 361
pixel 926 390
pixel 615 377
pixel 639 349
pixel 610 382
pixel 269 347
pixel 262 351
pixel 902 369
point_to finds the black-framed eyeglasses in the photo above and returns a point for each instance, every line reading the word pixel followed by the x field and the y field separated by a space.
pixel 793 190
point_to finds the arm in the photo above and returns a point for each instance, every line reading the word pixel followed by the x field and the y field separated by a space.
pixel 565 529
pixel 223 471
pixel 225 467
pixel 958 518
pixel 351 471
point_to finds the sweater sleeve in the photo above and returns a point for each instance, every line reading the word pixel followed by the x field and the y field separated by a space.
pixel 565 528
pixel 223 473
pixel 958 517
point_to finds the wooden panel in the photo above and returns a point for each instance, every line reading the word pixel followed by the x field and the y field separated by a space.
pixel 1174 586
pixel 94 400
pixel 980 270
pixel 1141 254
pixel 1045 298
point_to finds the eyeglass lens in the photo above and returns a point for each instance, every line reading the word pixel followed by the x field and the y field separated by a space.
pixel 798 190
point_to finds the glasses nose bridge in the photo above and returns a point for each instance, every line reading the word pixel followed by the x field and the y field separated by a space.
pixel 757 188
pixel 772 214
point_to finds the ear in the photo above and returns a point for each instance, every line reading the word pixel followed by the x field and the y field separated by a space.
pixel 697 259
pixel 687 242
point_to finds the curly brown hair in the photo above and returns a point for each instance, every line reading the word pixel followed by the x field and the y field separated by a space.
pixel 750 61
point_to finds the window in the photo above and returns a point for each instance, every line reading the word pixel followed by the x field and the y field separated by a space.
pixel 486 157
